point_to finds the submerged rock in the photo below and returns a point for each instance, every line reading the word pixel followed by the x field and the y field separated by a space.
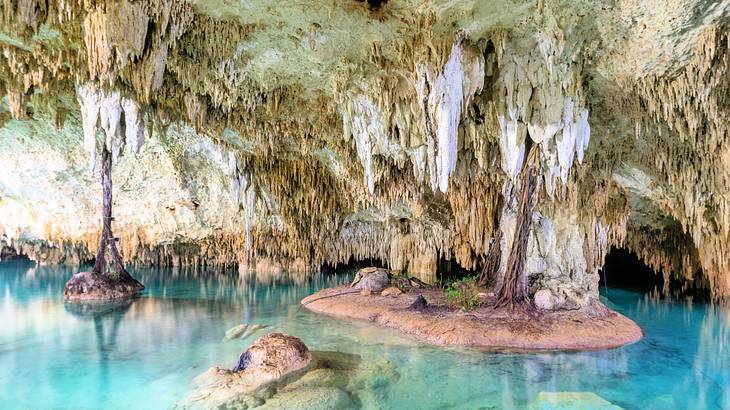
pixel 329 380
pixel 235 332
pixel 273 356
pixel 92 287
pixel 311 398
pixel 252 330
pixel 371 280
pixel 571 400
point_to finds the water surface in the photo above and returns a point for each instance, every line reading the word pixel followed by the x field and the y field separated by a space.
pixel 145 353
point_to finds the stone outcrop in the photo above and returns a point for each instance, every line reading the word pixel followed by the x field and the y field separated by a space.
pixel 371 280
pixel 273 356
pixel 348 132
pixel 93 287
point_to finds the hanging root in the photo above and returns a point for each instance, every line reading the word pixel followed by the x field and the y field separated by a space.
pixel 490 269
pixel 513 289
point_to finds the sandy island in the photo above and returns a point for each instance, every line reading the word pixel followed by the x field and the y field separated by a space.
pixel 483 327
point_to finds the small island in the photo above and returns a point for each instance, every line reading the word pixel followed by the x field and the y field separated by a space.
pixel 425 313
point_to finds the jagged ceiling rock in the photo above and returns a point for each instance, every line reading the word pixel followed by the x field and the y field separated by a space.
pixel 315 132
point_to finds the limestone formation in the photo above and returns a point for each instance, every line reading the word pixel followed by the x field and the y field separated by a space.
pixel 272 356
pixel 371 280
pixel 296 134
pixel 280 372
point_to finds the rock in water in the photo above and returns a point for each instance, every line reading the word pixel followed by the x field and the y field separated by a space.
pixel 311 398
pixel 92 287
pixel 235 332
pixel 571 400
pixel 372 280
pixel 273 356
pixel 391 292
pixel 331 380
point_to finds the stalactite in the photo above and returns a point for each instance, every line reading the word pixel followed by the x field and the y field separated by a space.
pixel 436 120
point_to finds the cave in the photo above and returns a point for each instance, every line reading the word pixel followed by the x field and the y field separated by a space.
pixel 624 269
pixel 550 151
pixel 374 4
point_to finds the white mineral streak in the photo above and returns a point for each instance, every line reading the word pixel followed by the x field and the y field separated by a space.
pixel 133 128
pixel 89 102
pixel 448 97
pixel 235 184
pixel 110 115
pixel 511 144
pixel 99 108
pixel 243 192
pixel 444 95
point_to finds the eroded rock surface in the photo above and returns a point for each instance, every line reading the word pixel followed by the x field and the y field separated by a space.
pixel 371 280
pixel 272 356
pixel 93 287
pixel 326 380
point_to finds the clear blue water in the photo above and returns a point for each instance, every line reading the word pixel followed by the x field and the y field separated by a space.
pixel 145 354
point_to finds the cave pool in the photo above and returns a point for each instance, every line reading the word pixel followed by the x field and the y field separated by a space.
pixel 145 353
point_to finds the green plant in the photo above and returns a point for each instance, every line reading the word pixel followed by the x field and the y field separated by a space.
pixel 114 276
pixel 463 293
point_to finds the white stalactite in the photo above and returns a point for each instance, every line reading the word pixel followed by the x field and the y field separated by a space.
pixel 510 144
pixel 133 127
pixel 445 94
pixel 89 102
pixel 99 108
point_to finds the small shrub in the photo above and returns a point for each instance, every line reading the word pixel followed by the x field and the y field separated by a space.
pixel 463 293
pixel 114 276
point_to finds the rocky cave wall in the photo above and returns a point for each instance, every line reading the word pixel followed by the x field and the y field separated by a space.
pixel 283 135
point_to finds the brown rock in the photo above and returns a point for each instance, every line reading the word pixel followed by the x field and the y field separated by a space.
pixel 273 356
pixel 92 287
pixel 392 292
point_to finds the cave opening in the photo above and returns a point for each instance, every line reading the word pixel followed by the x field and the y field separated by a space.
pixel 624 269
pixel 8 253
pixel 374 4
pixel 448 270
pixel 353 264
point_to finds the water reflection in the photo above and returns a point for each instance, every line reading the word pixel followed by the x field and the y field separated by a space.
pixel 147 350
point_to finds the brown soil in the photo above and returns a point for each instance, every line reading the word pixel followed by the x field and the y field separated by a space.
pixel 484 327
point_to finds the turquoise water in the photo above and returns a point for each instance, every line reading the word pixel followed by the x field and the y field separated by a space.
pixel 145 353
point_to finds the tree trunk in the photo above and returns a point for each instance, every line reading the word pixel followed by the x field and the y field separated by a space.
pixel 513 286
pixel 107 238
